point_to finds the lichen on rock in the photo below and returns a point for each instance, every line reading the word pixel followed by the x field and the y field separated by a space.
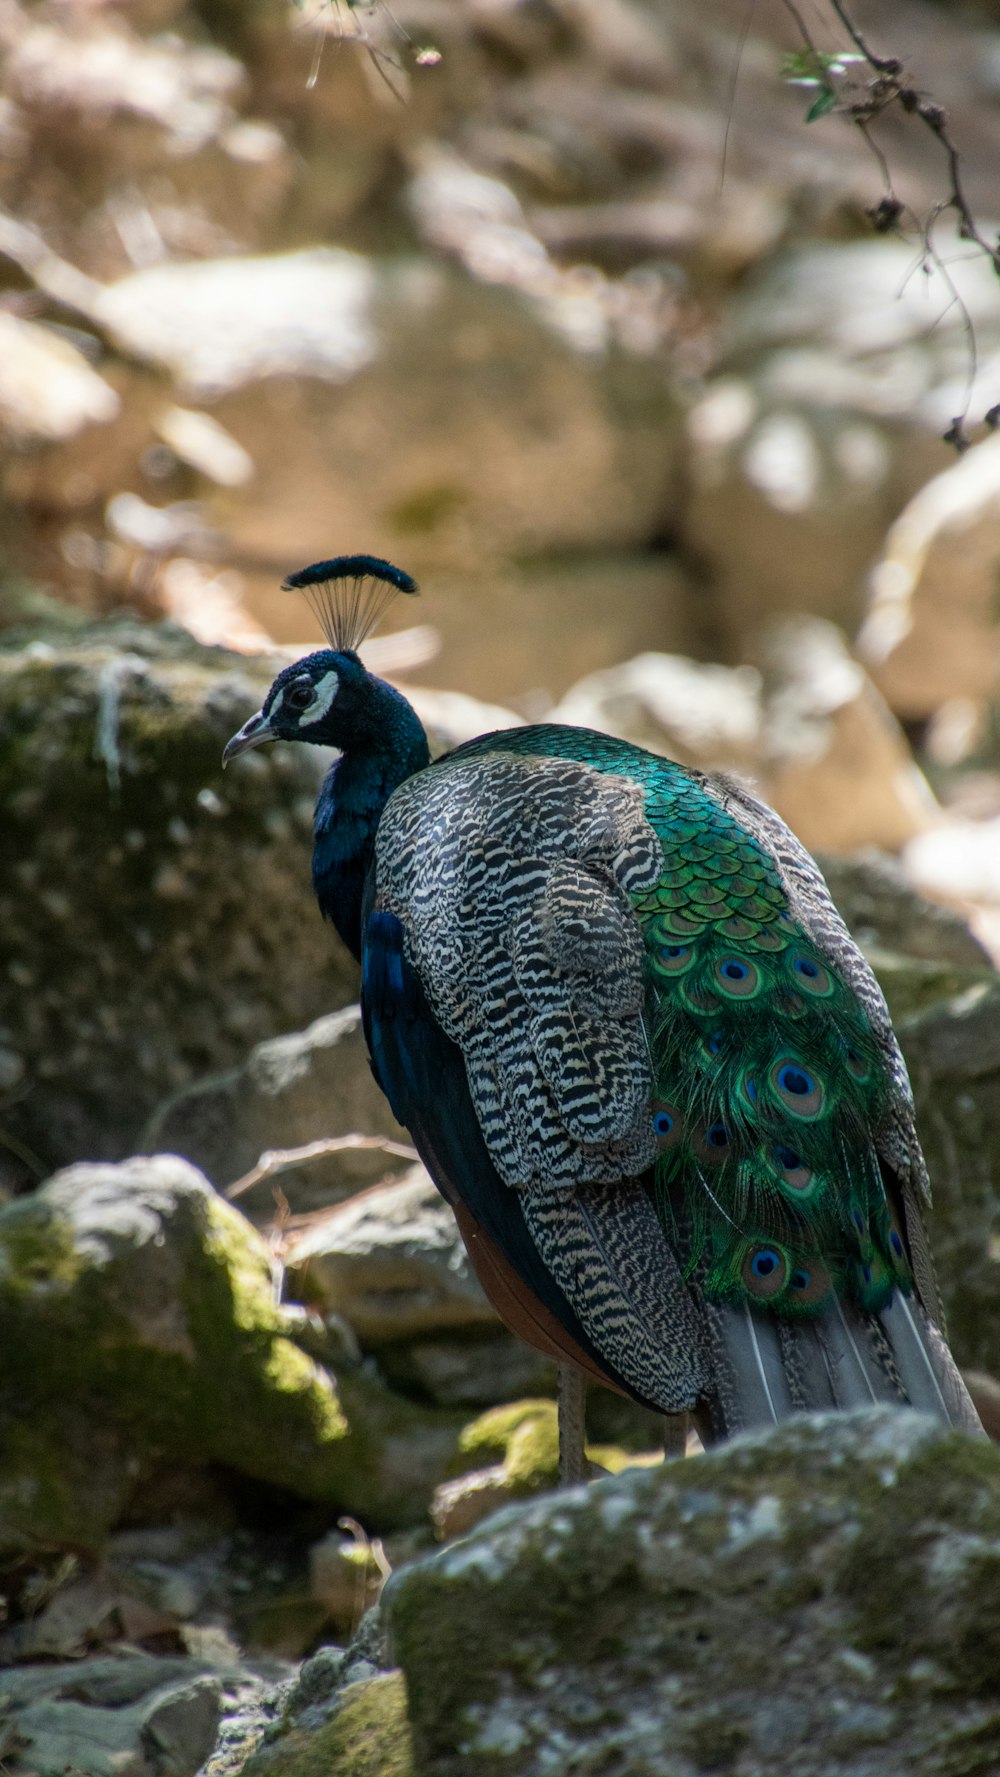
pixel 141 1325
pixel 816 1598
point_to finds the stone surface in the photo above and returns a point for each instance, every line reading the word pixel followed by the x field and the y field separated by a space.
pixel 823 419
pixel 709 716
pixel 48 391
pixel 463 1368
pixel 884 911
pixel 835 762
pixel 952 1050
pixel 305 1087
pixel 157 918
pixel 506 1453
pixel 816 1599
pixel 113 1717
pixel 391 1262
pixel 145 1337
pixel 931 631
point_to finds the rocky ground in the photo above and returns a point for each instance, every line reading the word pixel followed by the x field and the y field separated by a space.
pixel 664 445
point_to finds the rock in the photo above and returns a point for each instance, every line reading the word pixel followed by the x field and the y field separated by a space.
pixel 884 911
pixel 144 1335
pixel 292 1090
pixel 837 764
pixel 346 1575
pixel 742 1610
pixel 931 632
pixel 114 1717
pixel 48 391
pixel 513 1451
pixel 391 1262
pixel 345 1713
pixel 368 1734
pixel 952 1050
pixel 177 901
pixel 708 716
pixel 960 862
pixel 466 1368
pixel 131 144
pixel 823 419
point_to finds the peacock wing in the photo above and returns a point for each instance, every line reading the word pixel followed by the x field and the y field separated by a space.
pixel 513 881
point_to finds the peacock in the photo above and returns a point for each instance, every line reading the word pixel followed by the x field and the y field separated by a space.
pixel 640 1055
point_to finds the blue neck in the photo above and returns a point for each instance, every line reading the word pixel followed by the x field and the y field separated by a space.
pixel 356 790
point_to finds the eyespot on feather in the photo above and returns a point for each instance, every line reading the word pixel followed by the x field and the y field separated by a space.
pixel 857 1067
pixel 796 1088
pixel 697 1000
pixel 791 1168
pixel 764 1272
pixel 735 927
pixel 713 1143
pixel 812 977
pixel 668 1124
pixel 674 959
pixel 768 939
pixel 809 1285
pixel 736 977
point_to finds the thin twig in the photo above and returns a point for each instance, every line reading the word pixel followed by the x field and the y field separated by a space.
pixel 275 1160
pixel 863 104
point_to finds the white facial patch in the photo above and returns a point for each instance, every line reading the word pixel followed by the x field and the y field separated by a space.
pixel 323 693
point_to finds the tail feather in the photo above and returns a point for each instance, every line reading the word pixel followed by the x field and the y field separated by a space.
pixel 764 1370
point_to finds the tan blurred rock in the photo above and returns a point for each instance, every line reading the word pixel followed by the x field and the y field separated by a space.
pixel 707 716
pixel 836 380
pixel 391 1262
pixel 48 391
pixel 957 862
pixel 837 765
pixel 931 633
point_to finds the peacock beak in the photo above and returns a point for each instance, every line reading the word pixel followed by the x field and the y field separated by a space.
pixel 252 734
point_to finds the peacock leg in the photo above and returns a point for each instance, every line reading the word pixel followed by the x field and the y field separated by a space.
pixel 572 1425
pixel 675 1431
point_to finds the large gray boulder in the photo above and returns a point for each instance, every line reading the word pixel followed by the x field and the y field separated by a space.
pixel 156 918
pixel 290 1092
pixel 112 1717
pixel 818 1600
pixel 143 1335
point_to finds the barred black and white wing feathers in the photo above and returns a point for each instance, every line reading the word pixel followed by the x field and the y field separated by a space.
pixel 511 879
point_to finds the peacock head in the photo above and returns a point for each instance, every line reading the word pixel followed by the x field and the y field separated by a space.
pixel 329 698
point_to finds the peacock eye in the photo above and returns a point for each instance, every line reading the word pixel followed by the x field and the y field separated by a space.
pixel 300 695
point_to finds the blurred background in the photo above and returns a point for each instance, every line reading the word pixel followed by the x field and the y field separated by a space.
pixel 563 306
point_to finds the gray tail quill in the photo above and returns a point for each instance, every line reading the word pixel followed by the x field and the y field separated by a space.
pixel 765 1369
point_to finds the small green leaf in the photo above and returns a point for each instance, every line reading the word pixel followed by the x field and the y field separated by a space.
pixel 822 106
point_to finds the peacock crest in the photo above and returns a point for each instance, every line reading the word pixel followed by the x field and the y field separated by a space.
pixel 349 595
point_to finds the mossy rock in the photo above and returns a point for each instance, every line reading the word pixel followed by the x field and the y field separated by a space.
pixel 157 918
pixel 523 1437
pixel 368 1735
pixel 952 1050
pixel 818 1598
pixel 141 1332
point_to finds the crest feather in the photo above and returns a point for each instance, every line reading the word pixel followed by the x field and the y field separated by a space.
pixel 349 594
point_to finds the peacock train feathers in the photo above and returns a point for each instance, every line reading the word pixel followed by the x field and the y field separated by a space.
pixel 635 1045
